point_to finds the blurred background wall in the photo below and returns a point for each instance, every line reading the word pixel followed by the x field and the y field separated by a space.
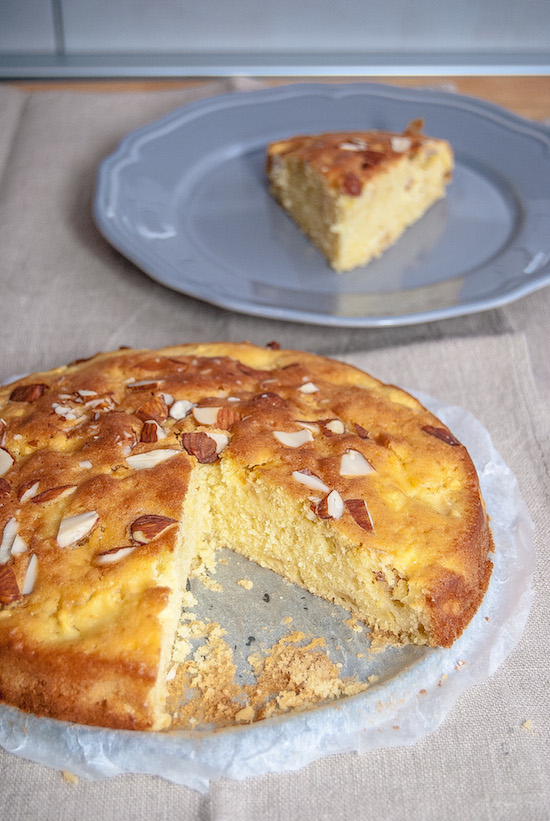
pixel 253 36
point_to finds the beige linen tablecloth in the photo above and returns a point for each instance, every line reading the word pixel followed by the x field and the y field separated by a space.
pixel 65 293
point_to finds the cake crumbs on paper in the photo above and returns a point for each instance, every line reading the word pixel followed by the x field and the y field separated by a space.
pixel 528 725
pixel 380 641
pixel 353 625
pixel 210 584
pixel 210 673
pixel 287 620
pixel 188 599
pixel 294 674
pixel 246 583
pixel 246 714
pixel 192 629
pixel 69 778
pixel 181 650
pixel 204 561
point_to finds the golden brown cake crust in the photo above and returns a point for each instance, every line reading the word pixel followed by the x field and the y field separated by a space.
pixel 349 159
pixel 82 601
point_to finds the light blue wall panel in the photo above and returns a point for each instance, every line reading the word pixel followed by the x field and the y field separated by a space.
pixel 27 26
pixel 308 25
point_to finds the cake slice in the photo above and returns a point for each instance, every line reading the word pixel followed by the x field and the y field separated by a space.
pixel 353 193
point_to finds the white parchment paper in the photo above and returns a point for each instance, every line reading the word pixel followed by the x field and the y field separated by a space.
pixel 415 690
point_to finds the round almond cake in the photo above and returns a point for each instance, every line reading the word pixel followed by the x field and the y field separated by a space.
pixel 117 471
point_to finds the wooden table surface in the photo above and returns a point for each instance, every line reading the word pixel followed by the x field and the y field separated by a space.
pixel 526 95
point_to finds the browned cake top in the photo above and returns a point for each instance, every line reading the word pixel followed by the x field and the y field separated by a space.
pixel 348 159
pixel 112 440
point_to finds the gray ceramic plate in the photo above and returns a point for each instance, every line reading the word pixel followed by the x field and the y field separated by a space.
pixel 185 199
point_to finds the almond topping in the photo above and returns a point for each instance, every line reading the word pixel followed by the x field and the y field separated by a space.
pixel 400 144
pixel 8 538
pixel 351 145
pixel 354 464
pixel 9 591
pixel 27 491
pixel 151 432
pixel 19 546
pixel 335 426
pixel 102 403
pixel 113 555
pixel 147 527
pixel 359 511
pixel 331 507
pixel 74 528
pixel 53 493
pixel 221 440
pixel 156 409
pixel 312 426
pixel 85 463
pixel 181 408
pixel 307 478
pixel 308 387
pixel 206 416
pixel 150 458
pixel 227 417
pixel 351 184
pixel 200 445
pixel 361 431
pixel 66 412
pixel 30 576
pixel 441 433
pixel 143 383
pixel 27 393
pixel 294 439
pixel 6 461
